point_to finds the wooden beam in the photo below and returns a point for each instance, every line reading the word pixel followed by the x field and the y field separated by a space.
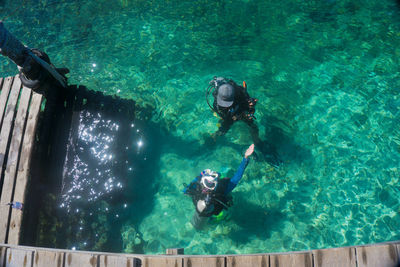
pixel 5 91
pixel 4 141
pixel 24 167
pixel 378 255
pixel 166 261
pixel 8 121
pixel 19 257
pixel 175 251
pixel 247 261
pixel 120 260
pixel 204 261
pixel 335 257
pixel 292 260
pixel 13 157
pixel 73 259
pixel 48 258
pixel 3 256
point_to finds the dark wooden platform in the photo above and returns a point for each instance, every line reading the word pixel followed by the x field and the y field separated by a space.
pixel 377 255
pixel 19 113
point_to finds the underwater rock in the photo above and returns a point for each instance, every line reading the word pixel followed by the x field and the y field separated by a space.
pixel 132 240
pixel 384 65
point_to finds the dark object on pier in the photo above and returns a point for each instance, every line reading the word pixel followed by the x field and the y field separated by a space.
pixel 34 65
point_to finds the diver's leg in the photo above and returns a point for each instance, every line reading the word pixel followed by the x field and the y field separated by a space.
pixel 254 132
pixel 224 127
pixel 198 221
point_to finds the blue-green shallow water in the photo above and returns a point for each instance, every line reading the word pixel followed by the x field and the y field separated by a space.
pixel 326 76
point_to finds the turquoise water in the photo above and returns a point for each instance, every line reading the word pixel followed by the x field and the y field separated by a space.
pixel 326 76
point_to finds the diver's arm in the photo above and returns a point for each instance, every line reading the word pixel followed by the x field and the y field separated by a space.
pixel 224 126
pixel 239 173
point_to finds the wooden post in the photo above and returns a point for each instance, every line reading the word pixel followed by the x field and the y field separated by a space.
pixel 175 251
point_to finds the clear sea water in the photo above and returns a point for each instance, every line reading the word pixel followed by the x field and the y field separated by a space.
pixel 327 79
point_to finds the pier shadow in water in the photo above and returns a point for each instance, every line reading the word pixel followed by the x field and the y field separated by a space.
pixel 93 169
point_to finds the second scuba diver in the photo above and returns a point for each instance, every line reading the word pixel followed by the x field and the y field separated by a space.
pixel 211 194
pixel 232 103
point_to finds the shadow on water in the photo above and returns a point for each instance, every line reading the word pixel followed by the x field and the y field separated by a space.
pixel 93 169
pixel 255 221
pixel 280 142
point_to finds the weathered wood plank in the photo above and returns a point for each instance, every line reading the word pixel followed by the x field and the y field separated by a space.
pixel 335 257
pixel 5 91
pixel 8 120
pixel 18 257
pixel 3 256
pixel 13 156
pixel 292 260
pixel 73 259
pixel 175 251
pixel 162 262
pixel 378 255
pixel 205 261
pixel 4 138
pixel 112 260
pixel 247 261
pixel 24 167
pixel 48 258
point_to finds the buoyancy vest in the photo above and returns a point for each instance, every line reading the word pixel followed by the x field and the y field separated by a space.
pixel 216 200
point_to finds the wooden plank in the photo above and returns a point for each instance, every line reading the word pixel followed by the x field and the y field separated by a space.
pixel 112 260
pixel 5 91
pixel 4 138
pixel 13 156
pixel 378 255
pixel 48 258
pixel 248 261
pixel 292 260
pixel 166 261
pixel 19 257
pixel 73 259
pixel 3 256
pixel 24 167
pixel 204 261
pixel 175 251
pixel 8 119
pixel 335 257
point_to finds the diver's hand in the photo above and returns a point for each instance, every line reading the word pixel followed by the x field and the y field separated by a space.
pixel 249 151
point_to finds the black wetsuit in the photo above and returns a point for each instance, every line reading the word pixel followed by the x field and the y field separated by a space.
pixel 239 110
pixel 218 199
pixel 215 200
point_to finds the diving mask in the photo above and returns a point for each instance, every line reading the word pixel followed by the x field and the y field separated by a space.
pixel 209 179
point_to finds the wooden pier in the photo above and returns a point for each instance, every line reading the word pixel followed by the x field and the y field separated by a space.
pixel 377 255
pixel 19 113
pixel 20 110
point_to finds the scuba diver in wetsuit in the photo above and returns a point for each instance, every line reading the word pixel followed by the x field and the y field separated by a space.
pixel 211 194
pixel 232 103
